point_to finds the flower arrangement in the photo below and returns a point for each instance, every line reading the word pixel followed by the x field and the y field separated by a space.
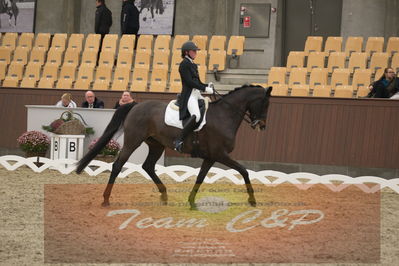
pixel 34 142
pixel 112 148
pixel 69 125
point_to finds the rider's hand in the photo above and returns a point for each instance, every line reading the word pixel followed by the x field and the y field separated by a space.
pixel 210 84
pixel 209 89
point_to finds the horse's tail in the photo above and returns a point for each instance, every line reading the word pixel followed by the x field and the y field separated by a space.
pixel 113 126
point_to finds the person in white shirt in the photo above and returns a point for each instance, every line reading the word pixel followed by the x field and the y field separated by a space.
pixel 66 101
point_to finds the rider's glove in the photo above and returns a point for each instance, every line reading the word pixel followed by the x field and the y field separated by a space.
pixel 210 84
pixel 209 89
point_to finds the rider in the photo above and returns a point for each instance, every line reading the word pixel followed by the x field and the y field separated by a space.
pixel 189 111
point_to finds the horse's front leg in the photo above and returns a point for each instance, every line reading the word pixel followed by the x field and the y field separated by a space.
pixel 206 165
pixel 226 160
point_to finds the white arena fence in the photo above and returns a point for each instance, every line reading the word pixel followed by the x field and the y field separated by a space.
pixel 335 182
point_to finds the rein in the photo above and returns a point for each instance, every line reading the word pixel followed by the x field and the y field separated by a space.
pixel 237 110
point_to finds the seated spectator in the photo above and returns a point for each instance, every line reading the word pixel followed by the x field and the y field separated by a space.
pixel 92 101
pixel 386 86
pixel 125 98
pixel 66 101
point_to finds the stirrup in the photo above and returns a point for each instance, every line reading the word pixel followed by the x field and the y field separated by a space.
pixel 178 145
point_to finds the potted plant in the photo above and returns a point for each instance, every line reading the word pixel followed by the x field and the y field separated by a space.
pixel 34 143
pixel 109 152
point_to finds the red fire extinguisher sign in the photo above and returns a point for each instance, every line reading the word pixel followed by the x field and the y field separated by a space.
pixel 247 22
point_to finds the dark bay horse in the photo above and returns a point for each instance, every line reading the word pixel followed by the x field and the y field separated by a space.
pixel 145 122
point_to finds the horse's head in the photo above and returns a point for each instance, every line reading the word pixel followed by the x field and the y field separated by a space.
pixel 258 109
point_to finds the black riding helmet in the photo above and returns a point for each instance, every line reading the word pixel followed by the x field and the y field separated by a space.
pixel 188 46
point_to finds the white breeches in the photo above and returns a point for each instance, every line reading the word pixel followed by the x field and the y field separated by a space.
pixel 192 104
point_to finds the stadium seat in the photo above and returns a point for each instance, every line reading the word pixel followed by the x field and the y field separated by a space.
pixel 89 58
pixel 103 77
pixel 201 41
pixel 277 76
pixel 217 60
pixel 333 44
pixel 50 71
pixel 235 46
pixel 142 59
pixel 126 43
pixel 361 79
pixel 71 57
pixel 15 70
pixel 322 91
pixel 175 81
pixel 10 40
pixel 161 59
pixel 300 90
pixel 362 92
pixel 92 43
pixel 379 74
pixel 107 58
pixel 316 60
pixel 200 59
pixel 145 43
pixel 121 78
pixel 3 70
pixel 336 60
pixel 65 84
pixel 392 45
pixel 125 59
pixel 295 59
pixel 42 41
pixel 76 42
pixel 394 62
pixel 20 56
pixel 11 82
pixel 343 91
pixel 318 76
pixel 176 60
pixel 54 56
pixel 140 80
pixel 32 71
pixel 162 43
pixel 297 76
pixel 5 54
pixel 357 60
pixel 378 61
pixel 38 55
pixel 313 44
pixel 26 40
pixel 178 42
pixel 59 42
pixel 159 78
pixel 28 82
pixel 353 44
pixel 217 43
pixel 46 83
pixel 280 90
pixel 374 45
pixel 68 72
pixel 85 77
pixel 340 76
pixel 110 43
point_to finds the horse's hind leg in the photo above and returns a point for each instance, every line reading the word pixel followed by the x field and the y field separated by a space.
pixel 226 160
pixel 155 151
pixel 123 156
pixel 206 165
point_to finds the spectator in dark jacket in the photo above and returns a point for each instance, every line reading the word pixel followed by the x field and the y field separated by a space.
pixel 386 86
pixel 103 18
pixel 92 101
pixel 130 23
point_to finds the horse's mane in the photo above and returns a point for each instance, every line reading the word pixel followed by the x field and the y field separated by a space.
pixel 235 90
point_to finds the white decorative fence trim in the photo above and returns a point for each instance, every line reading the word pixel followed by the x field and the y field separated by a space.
pixel 301 180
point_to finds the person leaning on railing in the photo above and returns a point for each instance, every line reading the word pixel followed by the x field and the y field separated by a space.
pixel 387 86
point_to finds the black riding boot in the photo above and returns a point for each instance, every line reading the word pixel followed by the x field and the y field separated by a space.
pixel 187 129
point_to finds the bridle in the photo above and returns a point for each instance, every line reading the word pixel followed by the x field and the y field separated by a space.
pixel 238 110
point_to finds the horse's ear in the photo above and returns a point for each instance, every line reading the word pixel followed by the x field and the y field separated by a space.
pixel 269 91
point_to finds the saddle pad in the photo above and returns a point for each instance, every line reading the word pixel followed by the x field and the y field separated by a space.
pixel 172 116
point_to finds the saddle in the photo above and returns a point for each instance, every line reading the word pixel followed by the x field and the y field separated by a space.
pixel 172 114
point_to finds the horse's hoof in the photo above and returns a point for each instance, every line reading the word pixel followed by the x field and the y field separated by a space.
pixel 193 207
pixel 164 197
pixel 252 202
pixel 105 204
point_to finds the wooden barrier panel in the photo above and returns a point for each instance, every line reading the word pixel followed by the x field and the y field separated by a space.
pixel 321 131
